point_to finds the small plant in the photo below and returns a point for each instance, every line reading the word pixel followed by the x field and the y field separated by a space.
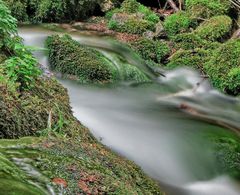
pixel 22 70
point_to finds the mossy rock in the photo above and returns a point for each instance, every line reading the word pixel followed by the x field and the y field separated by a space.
pixel 69 57
pixel 88 65
pixel 188 41
pixel 152 50
pixel 207 8
pixel 137 18
pixel 190 58
pixel 132 25
pixel 130 6
pixel 179 22
pixel 99 170
pixel 215 29
pixel 27 113
pixel 224 67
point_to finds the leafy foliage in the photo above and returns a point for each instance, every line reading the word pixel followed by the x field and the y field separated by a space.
pixel 7 22
pixel 51 10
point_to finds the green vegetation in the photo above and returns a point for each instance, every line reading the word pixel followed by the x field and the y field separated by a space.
pixel 191 58
pixel 132 18
pixel 189 41
pixel 227 151
pixel 34 104
pixel 131 25
pixel 179 22
pixel 207 8
pixel 88 65
pixel 224 66
pixel 83 165
pixel 51 10
pixel 216 28
pixel 149 49
pixel 69 57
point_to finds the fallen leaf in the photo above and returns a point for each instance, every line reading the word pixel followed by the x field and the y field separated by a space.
pixel 60 181
pixel 83 186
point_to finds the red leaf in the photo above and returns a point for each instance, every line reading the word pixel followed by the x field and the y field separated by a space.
pixel 83 186
pixel 60 181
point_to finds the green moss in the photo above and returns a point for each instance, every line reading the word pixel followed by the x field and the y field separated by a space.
pixel 223 67
pixel 132 25
pixel 189 41
pixel 191 58
pixel 207 8
pixel 88 65
pixel 130 6
pixel 227 151
pixel 69 57
pixel 148 49
pixel 98 168
pixel 27 113
pixel 216 28
pixel 135 18
pixel 179 22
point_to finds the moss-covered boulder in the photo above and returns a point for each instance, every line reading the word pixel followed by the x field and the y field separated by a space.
pixel 27 113
pixel 188 41
pixel 132 17
pixel 200 9
pixel 215 29
pixel 149 49
pixel 179 22
pixel 86 64
pixel 68 166
pixel 190 58
pixel 133 24
pixel 224 67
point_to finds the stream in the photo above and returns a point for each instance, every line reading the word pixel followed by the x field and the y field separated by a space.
pixel 159 126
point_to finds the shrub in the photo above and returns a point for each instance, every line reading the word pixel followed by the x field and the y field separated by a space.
pixel 207 8
pixel 216 28
pixel 18 9
pixel 224 66
pixel 22 70
pixel 150 49
pixel 7 22
pixel 179 22
pixel 191 58
pixel 52 10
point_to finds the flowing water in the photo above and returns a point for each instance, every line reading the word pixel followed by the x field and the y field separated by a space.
pixel 161 126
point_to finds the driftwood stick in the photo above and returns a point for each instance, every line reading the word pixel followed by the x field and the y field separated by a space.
pixel 173 5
